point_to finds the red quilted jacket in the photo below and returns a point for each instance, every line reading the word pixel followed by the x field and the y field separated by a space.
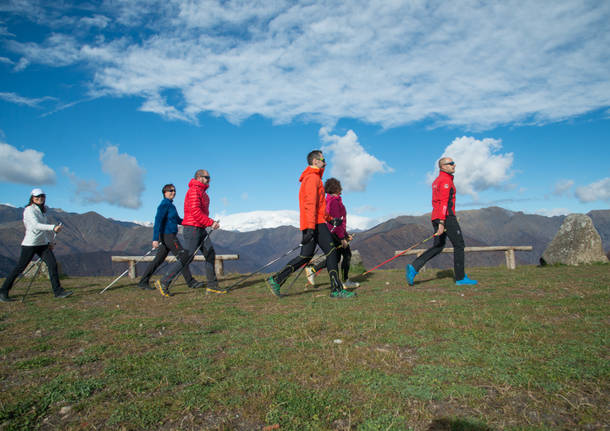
pixel 197 205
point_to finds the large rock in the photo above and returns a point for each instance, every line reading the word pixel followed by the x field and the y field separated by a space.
pixel 576 242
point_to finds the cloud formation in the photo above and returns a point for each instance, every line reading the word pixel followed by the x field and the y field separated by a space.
pixel 470 63
pixel 597 191
pixel 479 165
pixel 126 181
pixel 562 187
pixel 20 100
pixel 24 167
pixel 350 163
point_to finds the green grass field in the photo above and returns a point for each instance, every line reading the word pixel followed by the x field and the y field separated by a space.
pixel 525 350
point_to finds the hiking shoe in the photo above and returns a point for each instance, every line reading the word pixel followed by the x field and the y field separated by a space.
pixel 274 286
pixel 163 289
pixel 63 294
pixel 465 281
pixel 215 289
pixel 144 285
pixel 5 298
pixel 194 284
pixel 342 294
pixel 410 274
pixel 310 273
pixel 350 284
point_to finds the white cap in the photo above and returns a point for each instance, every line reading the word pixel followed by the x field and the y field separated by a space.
pixel 37 192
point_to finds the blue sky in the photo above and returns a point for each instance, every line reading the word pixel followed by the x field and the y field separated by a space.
pixel 103 102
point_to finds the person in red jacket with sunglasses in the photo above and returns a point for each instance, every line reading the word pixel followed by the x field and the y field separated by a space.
pixel 445 223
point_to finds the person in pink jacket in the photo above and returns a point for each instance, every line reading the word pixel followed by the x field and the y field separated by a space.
pixel 338 230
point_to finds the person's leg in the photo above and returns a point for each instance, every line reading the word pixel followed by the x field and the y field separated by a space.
pixel 172 244
pixel 437 247
pixel 162 252
pixel 27 252
pixel 455 236
pixel 183 256
pixel 307 251
pixel 47 256
pixel 346 253
pixel 326 243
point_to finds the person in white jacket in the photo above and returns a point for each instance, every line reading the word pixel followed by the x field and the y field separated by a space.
pixel 38 240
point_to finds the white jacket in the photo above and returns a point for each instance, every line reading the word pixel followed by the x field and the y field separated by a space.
pixel 37 230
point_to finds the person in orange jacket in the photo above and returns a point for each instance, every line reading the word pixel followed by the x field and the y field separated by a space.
pixel 312 208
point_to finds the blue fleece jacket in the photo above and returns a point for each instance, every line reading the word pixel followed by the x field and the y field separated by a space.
pixel 166 220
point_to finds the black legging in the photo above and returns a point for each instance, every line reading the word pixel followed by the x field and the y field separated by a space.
pixel 323 238
pixel 453 231
pixel 342 252
pixel 27 253
pixel 169 243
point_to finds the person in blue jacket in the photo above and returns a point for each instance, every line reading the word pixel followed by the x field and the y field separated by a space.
pixel 165 240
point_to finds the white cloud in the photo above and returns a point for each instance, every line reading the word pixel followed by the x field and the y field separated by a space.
pixel 469 63
pixel 597 191
pixel 20 100
pixel 350 163
pixel 126 180
pixel 562 187
pixel 552 212
pixel 24 167
pixel 478 167
pixel 6 60
pixel 254 220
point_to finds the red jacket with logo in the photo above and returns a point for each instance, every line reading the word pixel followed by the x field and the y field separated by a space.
pixel 196 205
pixel 443 196
pixel 312 201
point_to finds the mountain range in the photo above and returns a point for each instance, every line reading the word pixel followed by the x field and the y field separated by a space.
pixel 88 240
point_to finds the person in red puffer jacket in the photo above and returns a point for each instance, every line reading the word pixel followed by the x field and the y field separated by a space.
pixel 196 236
pixel 445 223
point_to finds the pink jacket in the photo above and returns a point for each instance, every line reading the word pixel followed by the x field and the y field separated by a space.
pixel 197 205
pixel 336 210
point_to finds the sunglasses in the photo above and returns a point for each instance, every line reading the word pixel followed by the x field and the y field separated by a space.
pixel 450 163
pixel 170 191
pixel 323 160
pixel 207 177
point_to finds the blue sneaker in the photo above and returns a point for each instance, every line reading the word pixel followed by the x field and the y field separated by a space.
pixel 410 274
pixel 465 281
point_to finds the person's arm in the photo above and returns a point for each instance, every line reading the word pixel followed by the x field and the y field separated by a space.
pixel 334 210
pixel 309 201
pixel 32 221
pixel 160 220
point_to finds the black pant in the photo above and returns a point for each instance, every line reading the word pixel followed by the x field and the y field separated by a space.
pixel 195 238
pixel 323 238
pixel 453 231
pixel 169 243
pixel 344 254
pixel 27 253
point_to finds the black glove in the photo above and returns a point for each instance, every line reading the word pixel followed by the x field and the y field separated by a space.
pixel 307 236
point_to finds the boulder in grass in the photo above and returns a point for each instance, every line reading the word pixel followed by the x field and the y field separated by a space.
pixel 577 242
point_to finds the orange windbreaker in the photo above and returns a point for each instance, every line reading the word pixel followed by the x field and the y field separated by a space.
pixel 312 203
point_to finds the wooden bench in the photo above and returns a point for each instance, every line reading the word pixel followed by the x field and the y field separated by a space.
pixel 509 252
pixel 131 260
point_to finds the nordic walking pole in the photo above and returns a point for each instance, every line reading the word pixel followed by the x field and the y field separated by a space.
pixel 263 267
pixel 126 271
pixel 400 254
pixel 39 263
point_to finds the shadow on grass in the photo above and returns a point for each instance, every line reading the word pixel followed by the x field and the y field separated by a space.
pixel 459 424
pixel 447 273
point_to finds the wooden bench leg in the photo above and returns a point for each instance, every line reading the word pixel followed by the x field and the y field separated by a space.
pixel 510 258
pixel 219 267
pixel 132 269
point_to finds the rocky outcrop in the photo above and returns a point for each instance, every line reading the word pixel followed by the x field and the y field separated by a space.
pixel 577 242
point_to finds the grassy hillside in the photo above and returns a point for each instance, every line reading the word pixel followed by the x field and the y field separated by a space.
pixel 524 350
